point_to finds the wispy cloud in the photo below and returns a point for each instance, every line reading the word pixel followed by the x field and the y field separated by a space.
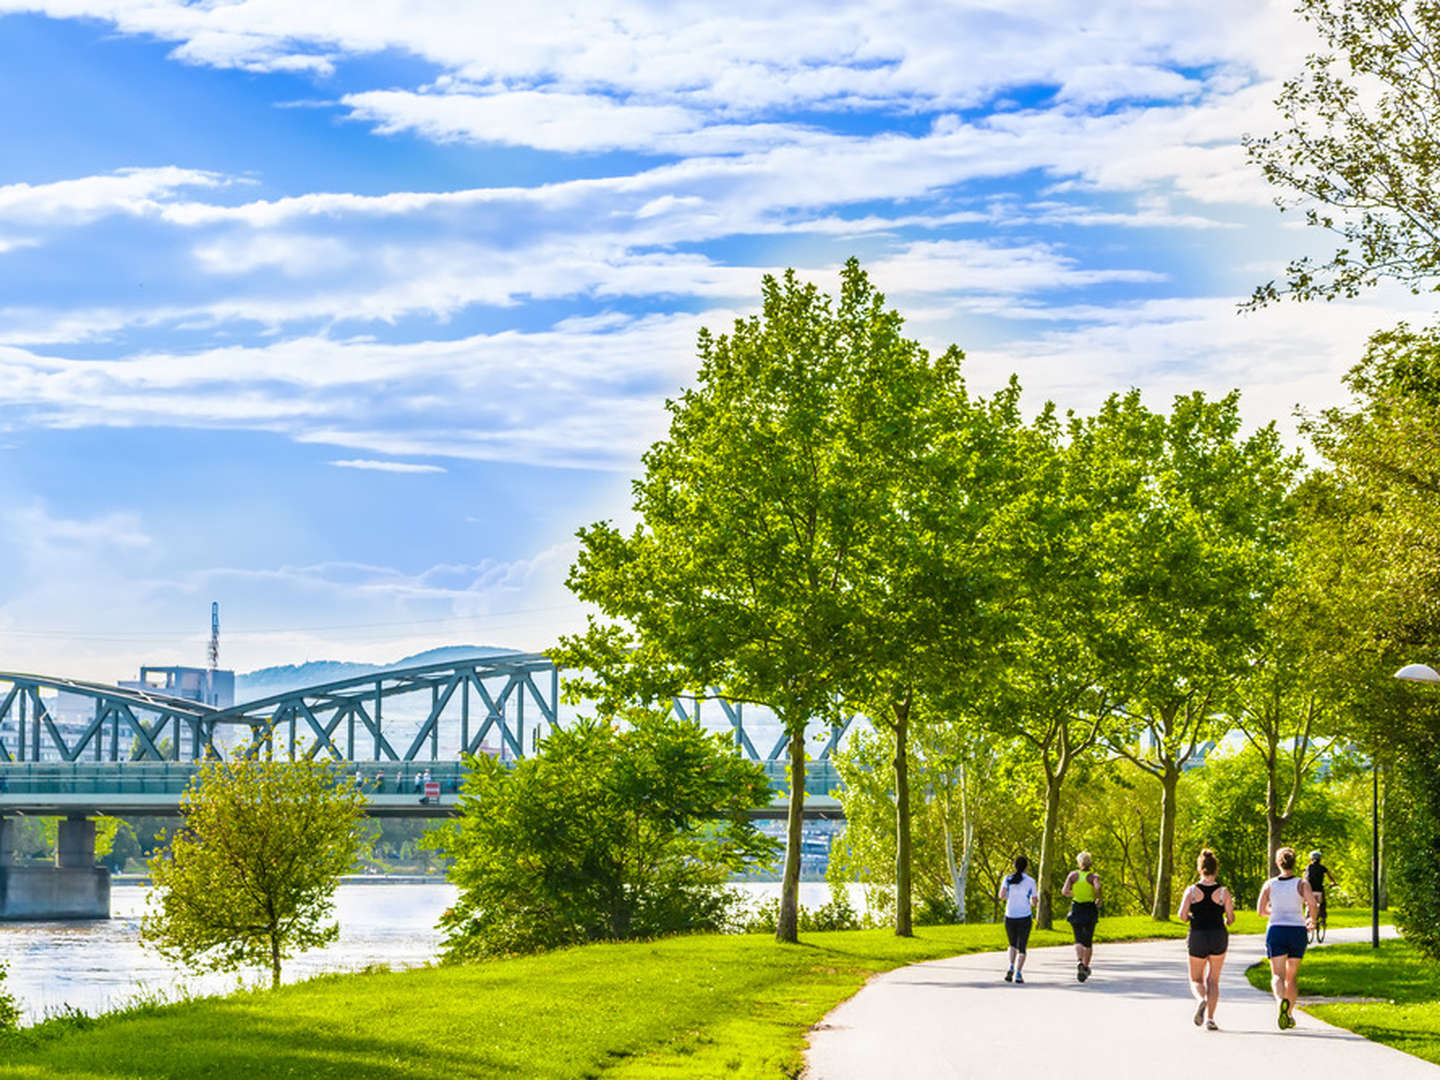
pixel 387 466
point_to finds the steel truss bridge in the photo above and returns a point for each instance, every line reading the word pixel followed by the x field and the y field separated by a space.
pixel 135 751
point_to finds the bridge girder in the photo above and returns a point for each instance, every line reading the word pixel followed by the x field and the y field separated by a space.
pixel 344 720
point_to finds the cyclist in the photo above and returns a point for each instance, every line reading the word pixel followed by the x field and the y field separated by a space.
pixel 1083 888
pixel 1315 875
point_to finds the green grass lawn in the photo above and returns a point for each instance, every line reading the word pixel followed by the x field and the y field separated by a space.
pixel 694 1007
pixel 1407 1017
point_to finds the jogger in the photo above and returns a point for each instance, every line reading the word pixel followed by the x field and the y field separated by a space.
pixel 1210 909
pixel 1083 888
pixel 1020 896
pixel 1290 904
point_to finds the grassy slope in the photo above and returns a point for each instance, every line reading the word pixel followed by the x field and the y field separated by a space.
pixel 1409 1016
pixel 693 1007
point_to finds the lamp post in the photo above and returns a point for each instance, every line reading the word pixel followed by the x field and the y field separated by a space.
pixel 1410 673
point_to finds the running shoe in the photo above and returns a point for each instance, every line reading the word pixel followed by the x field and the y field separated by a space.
pixel 1285 1020
pixel 1211 1025
pixel 1079 972
pixel 1009 974
pixel 1200 1013
pixel 1019 978
pixel 1084 972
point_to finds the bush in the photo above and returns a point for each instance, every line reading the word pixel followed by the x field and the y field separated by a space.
pixel 837 913
pixel 1413 848
pixel 607 834
pixel 9 1007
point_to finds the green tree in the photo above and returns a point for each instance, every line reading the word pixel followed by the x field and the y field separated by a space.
pixel 1112 810
pixel 613 832
pixel 1227 804
pixel 1196 545
pixel 1053 670
pixel 1283 706
pixel 934 595
pixel 1381 541
pixel 251 877
pixel 758 520
pixel 974 807
pixel 1359 149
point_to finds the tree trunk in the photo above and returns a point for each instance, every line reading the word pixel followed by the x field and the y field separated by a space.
pixel 959 871
pixel 787 926
pixel 967 848
pixel 903 889
pixel 1044 919
pixel 1274 824
pixel 274 960
pixel 1165 869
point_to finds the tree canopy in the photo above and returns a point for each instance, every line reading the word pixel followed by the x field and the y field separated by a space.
pixel 1359 150
pixel 755 568
pixel 250 877
pixel 612 832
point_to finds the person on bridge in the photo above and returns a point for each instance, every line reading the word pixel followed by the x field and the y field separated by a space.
pixel 1083 888
pixel 1291 908
pixel 1210 909
pixel 1020 896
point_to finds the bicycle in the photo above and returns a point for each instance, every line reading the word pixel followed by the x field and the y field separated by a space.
pixel 1317 932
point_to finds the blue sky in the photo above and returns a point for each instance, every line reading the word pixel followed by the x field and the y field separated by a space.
pixel 348 315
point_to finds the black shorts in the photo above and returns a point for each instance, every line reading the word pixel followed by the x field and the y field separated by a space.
pixel 1205 941
pixel 1082 918
pixel 1017 932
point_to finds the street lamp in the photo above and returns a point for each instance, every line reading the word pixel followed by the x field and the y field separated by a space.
pixel 1410 673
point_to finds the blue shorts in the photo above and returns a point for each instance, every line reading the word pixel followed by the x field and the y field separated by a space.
pixel 1286 941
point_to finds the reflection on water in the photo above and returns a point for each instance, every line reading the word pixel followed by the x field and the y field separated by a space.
pixel 94 966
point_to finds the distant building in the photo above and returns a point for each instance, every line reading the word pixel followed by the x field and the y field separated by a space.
pixel 213 688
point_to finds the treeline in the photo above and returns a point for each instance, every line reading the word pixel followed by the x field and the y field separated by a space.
pixel 836 523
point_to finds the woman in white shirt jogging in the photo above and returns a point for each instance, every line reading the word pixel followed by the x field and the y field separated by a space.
pixel 1020 896
pixel 1290 904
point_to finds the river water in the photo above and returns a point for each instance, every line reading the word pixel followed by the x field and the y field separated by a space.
pixel 95 966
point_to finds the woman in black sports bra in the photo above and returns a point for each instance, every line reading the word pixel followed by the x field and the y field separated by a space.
pixel 1210 909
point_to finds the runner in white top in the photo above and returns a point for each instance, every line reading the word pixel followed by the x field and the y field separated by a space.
pixel 1291 906
pixel 1020 895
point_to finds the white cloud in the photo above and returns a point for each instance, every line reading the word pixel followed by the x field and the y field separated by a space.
pixel 969 266
pixel 546 120
pixel 295 256
pixel 741 58
pixel 87 199
pixel 386 466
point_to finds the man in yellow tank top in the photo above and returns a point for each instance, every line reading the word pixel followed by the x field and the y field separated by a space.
pixel 1083 888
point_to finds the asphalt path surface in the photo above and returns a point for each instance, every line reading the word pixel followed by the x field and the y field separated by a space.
pixel 1133 1018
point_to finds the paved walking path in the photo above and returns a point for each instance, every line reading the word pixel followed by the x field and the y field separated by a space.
pixel 956 1018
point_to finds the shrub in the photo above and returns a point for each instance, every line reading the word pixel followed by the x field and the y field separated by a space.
pixel 607 834
pixel 9 1007
pixel 837 913
pixel 1413 848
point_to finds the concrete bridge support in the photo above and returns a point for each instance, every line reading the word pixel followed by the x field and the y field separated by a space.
pixel 74 888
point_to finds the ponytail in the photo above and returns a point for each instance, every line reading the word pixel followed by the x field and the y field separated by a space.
pixel 1020 864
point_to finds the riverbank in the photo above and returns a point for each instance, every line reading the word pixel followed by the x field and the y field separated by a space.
pixel 702 1006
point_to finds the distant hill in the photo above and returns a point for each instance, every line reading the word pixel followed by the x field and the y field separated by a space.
pixel 264 682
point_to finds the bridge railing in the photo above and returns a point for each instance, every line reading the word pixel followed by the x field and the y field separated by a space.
pixel 374 777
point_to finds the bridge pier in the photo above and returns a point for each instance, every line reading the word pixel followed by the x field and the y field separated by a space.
pixel 74 888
